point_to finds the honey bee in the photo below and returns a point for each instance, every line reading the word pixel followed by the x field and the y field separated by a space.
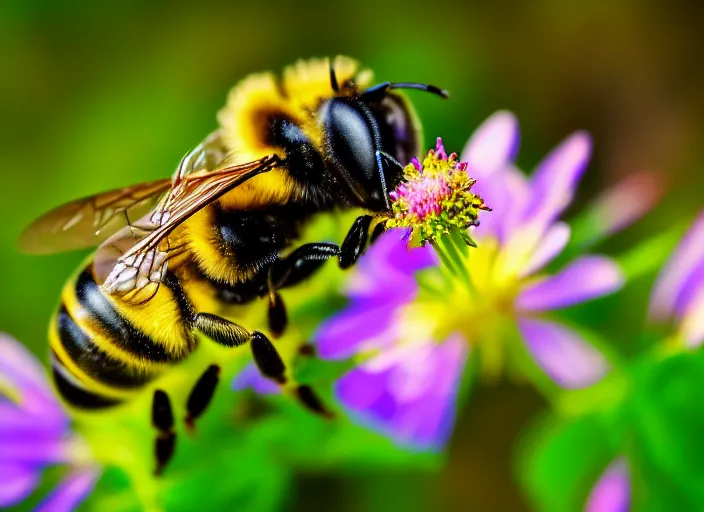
pixel 223 229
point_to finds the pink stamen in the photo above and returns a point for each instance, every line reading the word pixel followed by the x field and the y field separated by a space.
pixel 440 149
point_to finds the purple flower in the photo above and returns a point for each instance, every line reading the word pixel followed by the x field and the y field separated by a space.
pixel 612 492
pixel 678 296
pixel 251 378
pixel 35 433
pixel 400 331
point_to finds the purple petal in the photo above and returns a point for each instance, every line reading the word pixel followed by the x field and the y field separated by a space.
pixel 33 451
pixel 507 192
pixel 17 482
pixel 387 268
pixel 19 366
pixel 555 180
pixel 562 354
pixel 679 270
pixel 585 279
pixel 625 203
pixel 70 492
pixel 251 378
pixel 554 242
pixel 612 492
pixel 408 393
pixel 493 145
pixel 344 334
pixel 14 420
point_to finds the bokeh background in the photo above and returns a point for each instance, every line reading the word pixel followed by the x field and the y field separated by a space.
pixel 95 96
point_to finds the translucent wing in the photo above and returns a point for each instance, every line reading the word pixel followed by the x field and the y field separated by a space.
pixel 132 261
pixel 89 221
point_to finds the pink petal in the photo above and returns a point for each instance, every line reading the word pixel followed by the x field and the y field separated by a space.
pixel 70 492
pixel 692 321
pixel 688 257
pixel 584 279
pixel 17 482
pixel 612 492
pixel 552 244
pixel 492 145
pixel 562 354
pixel 625 203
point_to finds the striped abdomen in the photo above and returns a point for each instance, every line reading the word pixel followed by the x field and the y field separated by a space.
pixel 104 351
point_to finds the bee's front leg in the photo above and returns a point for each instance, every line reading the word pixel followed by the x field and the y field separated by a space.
pixel 308 258
pixel 358 237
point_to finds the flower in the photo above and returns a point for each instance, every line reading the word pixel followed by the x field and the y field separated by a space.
pixel 436 197
pixel 251 378
pixel 35 434
pixel 612 492
pixel 408 315
pixel 678 296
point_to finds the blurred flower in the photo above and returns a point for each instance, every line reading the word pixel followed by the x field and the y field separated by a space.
pixel 411 322
pixel 620 206
pixel 251 378
pixel 678 296
pixel 612 492
pixel 35 434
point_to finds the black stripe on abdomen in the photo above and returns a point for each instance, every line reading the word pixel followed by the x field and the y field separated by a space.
pixel 95 363
pixel 121 332
pixel 73 391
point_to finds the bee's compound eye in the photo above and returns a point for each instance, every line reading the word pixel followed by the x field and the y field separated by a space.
pixel 351 141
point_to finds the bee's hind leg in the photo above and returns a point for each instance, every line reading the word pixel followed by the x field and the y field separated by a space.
pixel 201 395
pixel 163 421
pixel 265 355
pixel 271 366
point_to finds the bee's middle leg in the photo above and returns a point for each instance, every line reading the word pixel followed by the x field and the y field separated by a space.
pixel 308 258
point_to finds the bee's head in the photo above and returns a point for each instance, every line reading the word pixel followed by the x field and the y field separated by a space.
pixel 369 137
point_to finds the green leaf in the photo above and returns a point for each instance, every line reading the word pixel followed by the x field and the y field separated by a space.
pixel 559 462
pixel 668 423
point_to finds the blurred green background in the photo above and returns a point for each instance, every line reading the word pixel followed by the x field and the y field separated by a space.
pixel 100 96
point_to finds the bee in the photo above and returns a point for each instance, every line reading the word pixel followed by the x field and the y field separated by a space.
pixel 223 230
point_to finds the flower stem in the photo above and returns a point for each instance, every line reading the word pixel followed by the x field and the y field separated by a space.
pixel 454 255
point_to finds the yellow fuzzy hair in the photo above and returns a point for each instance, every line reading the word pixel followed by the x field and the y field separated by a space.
pixel 251 103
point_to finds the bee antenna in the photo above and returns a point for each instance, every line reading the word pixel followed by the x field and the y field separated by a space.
pixel 421 87
pixel 377 92
pixel 333 78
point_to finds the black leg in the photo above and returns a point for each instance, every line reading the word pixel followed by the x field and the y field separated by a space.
pixel 163 421
pixel 267 358
pixel 355 242
pixel 379 228
pixel 278 319
pixel 201 395
pixel 301 263
pixel 311 401
pixel 221 330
